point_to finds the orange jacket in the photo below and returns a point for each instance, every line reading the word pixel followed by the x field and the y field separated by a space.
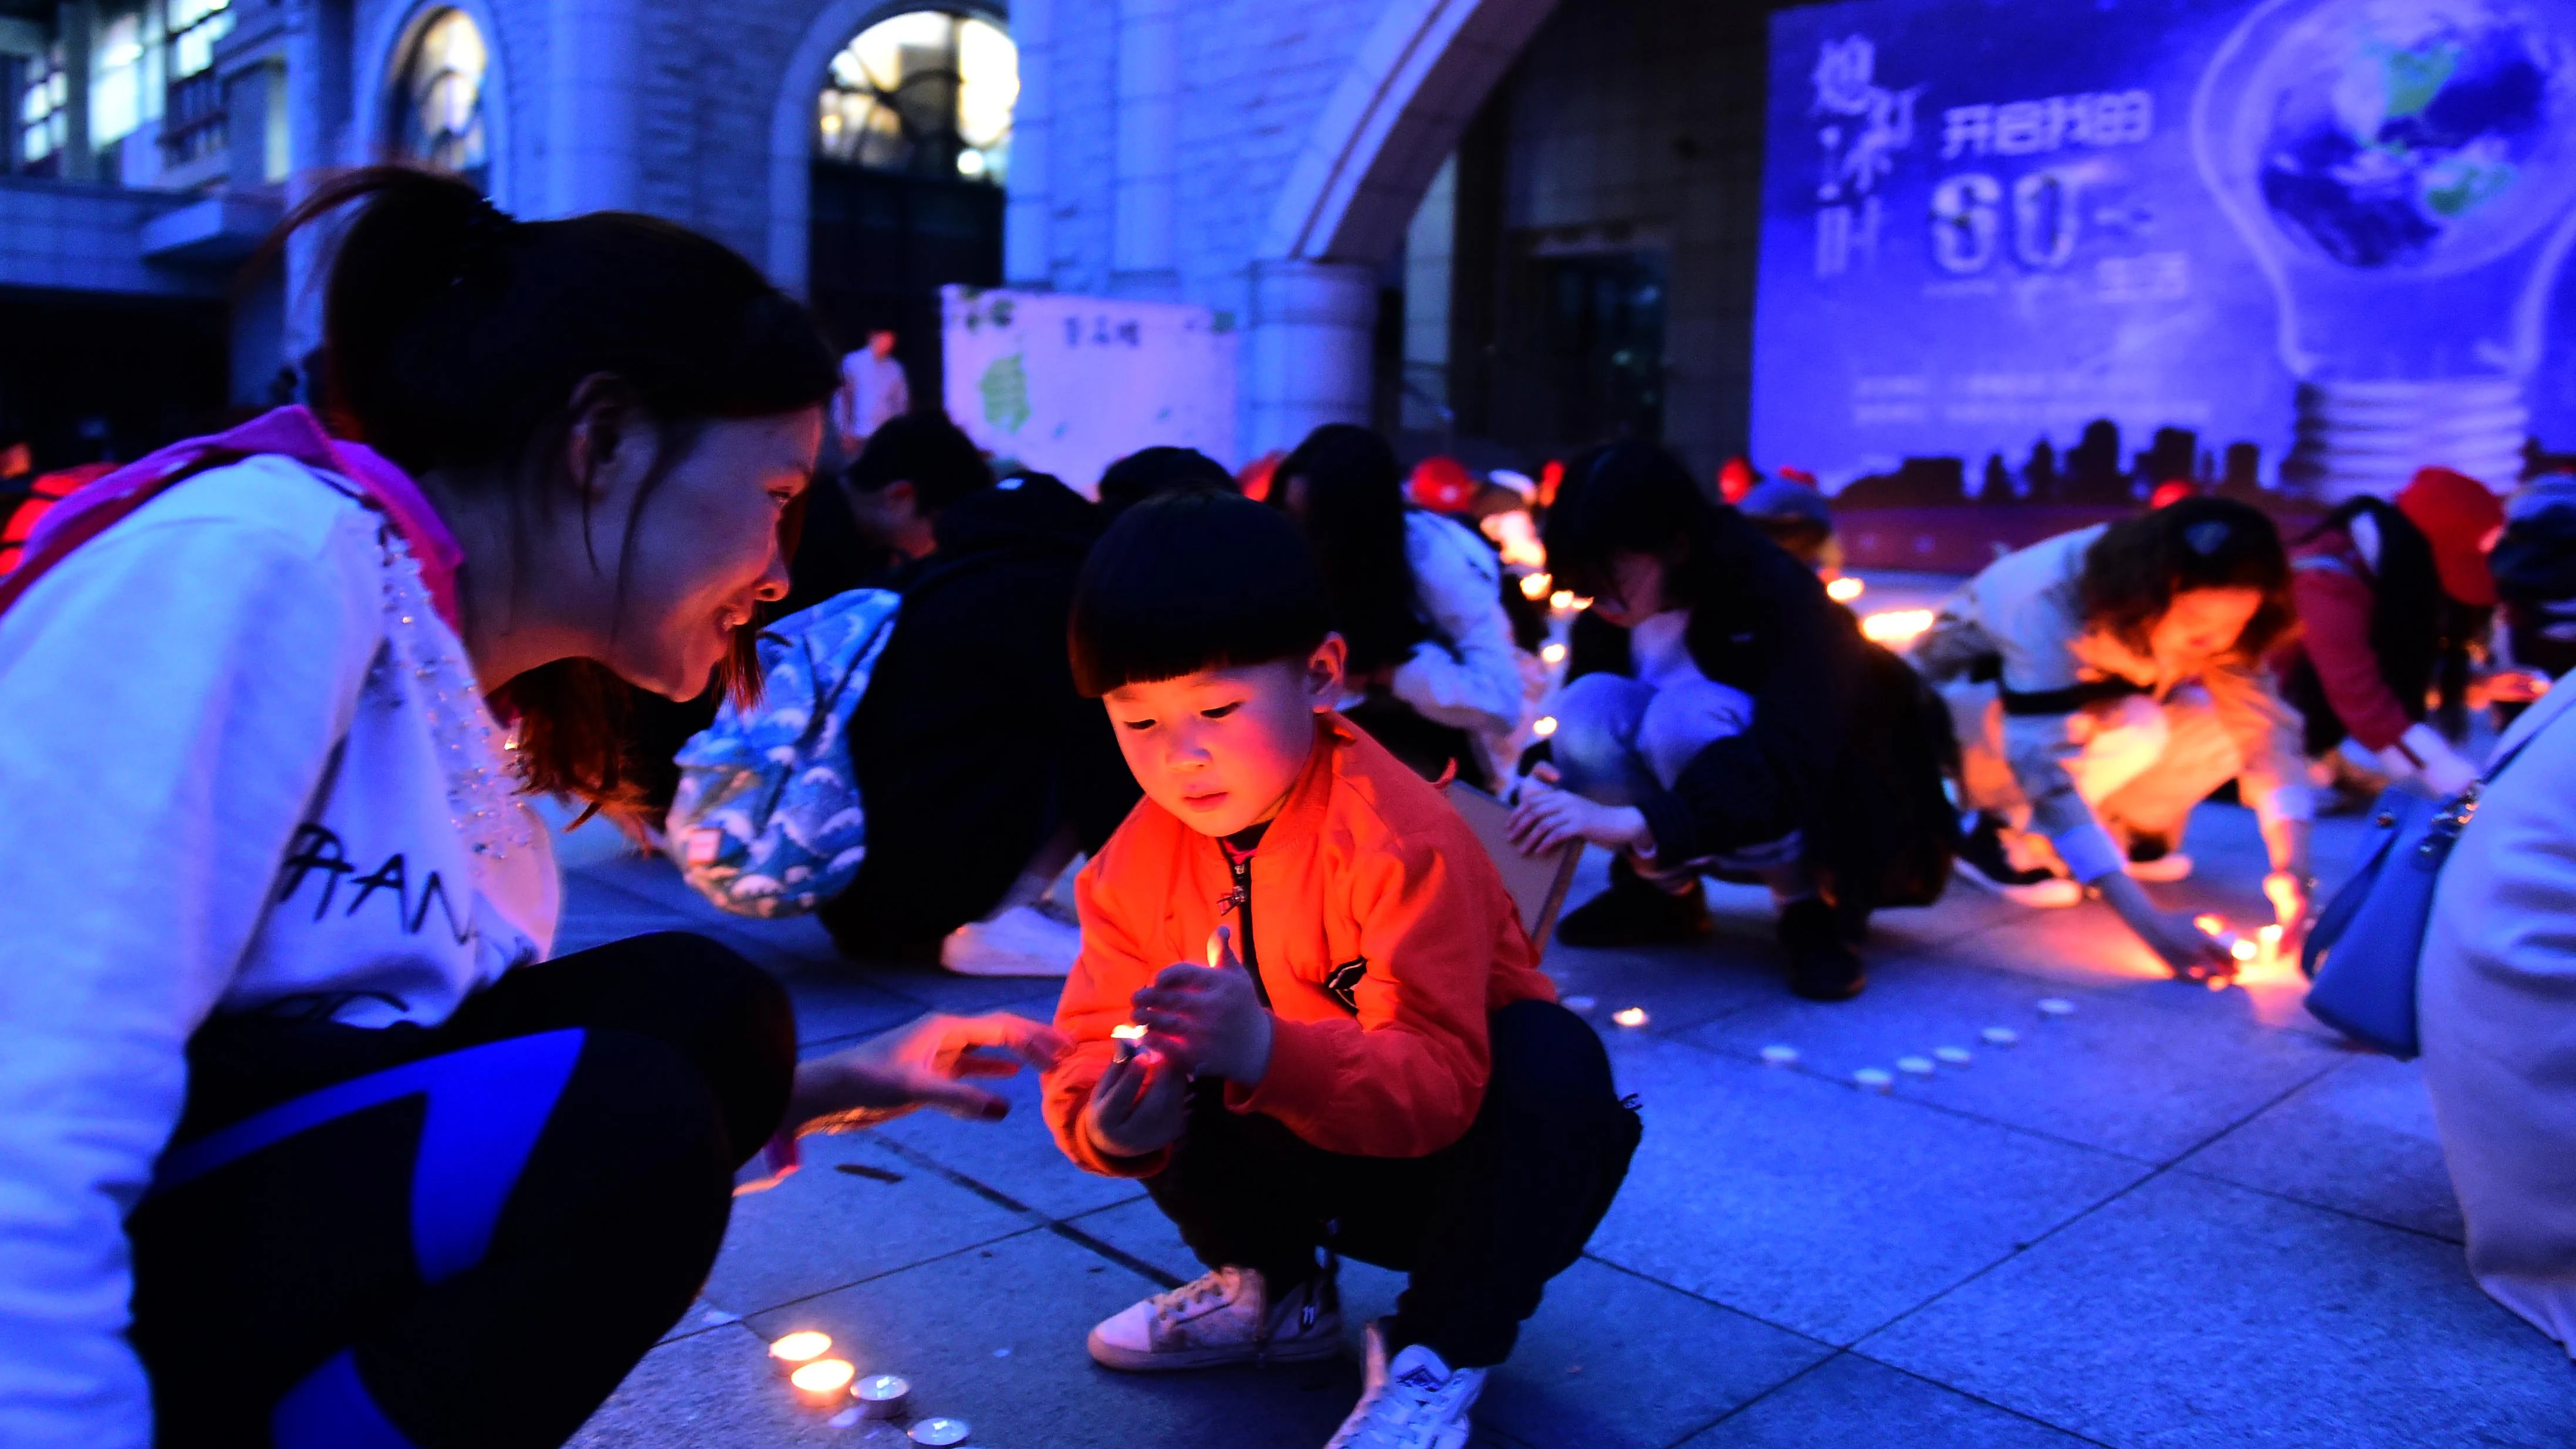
pixel 1366 867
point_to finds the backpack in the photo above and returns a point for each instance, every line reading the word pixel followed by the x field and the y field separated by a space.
pixel 767 821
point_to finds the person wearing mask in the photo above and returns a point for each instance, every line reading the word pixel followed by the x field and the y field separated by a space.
pixel 296 1117
pixel 1434 675
pixel 2103 683
pixel 873 391
pixel 2391 597
pixel 1723 717
pixel 982 771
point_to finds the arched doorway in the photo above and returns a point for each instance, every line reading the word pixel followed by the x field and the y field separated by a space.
pixel 911 150
pixel 438 98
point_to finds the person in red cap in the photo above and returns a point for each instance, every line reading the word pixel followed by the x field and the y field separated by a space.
pixel 1442 485
pixel 1735 478
pixel 2391 595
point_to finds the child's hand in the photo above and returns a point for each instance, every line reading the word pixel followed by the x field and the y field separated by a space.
pixel 1549 815
pixel 1209 1019
pixel 927 1063
pixel 1138 1106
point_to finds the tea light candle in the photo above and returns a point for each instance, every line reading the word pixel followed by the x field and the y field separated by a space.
pixel 1873 1079
pixel 1130 1039
pixel 1561 599
pixel 2056 1006
pixel 1780 1054
pixel 2002 1036
pixel 881 1396
pixel 1629 1016
pixel 1915 1066
pixel 940 1432
pixel 1953 1056
pixel 796 1349
pixel 824 1381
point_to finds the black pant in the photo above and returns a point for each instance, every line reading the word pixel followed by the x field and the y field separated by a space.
pixel 1482 1224
pixel 461 1235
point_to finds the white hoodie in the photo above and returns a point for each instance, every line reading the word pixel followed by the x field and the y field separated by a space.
pixel 1468 674
pixel 222 723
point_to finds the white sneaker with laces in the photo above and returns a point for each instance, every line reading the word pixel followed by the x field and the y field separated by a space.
pixel 1022 941
pixel 1225 1317
pixel 1416 1402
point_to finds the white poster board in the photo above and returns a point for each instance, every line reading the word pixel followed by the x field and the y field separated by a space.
pixel 1068 385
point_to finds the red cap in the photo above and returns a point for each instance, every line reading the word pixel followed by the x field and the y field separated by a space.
pixel 2172 490
pixel 1255 478
pixel 2461 517
pixel 1442 485
pixel 1735 478
pixel 1550 479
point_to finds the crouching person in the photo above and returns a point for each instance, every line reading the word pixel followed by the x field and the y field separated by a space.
pixel 1347 1043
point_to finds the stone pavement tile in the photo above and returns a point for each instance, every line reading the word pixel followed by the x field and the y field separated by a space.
pixel 1852 1403
pixel 2117 1075
pixel 713 1389
pixel 1679 986
pixel 1816 1206
pixel 2190 1312
pixel 825 1227
pixel 944 1325
pixel 1610 1361
pixel 1618 1362
pixel 2086 945
pixel 2359 1139
pixel 1016 1156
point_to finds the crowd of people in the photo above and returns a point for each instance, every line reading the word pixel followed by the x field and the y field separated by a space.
pixel 300 1115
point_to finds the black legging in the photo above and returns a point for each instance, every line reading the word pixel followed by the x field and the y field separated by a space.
pixel 372 1238
pixel 1481 1224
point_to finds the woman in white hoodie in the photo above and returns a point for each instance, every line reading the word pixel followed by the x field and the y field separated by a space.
pixel 1434 674
pixel 299 1129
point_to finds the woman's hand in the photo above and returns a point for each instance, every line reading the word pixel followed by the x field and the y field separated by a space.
pixel 926 1064
pixel 2190 952
pixel 1139 1105
pixel 1549 815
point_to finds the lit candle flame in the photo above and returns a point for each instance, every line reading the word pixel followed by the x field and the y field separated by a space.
pixel 2209 925
pixel 2242 949
pixel 1561 599
pixel 1845 589
pixel 1534 587
pixel 1553 653
pixel 801 1347
pixel 1128 1031
pixel 1895 628
pixel 1543 726
pixel 2271 936
pixel 1629 1016
pixel 824 1377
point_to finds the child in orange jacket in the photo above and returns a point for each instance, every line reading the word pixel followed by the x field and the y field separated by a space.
pixel 1346 1040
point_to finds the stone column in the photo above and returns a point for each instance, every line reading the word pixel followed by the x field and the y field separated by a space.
pixel 594 55
pixel 79 22
pixel 1307 358
pixel 1141 255
pixel 1028 256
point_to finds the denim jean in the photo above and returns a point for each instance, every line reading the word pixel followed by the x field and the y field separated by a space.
pixel 1619 740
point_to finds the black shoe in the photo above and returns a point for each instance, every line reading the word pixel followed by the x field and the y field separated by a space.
pixel 1983 861
pixel 1822 965
pixel 1636 912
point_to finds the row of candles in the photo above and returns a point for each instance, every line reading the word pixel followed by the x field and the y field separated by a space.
pixel 824 1382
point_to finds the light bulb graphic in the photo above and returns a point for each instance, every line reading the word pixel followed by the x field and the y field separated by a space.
pixel 2405 173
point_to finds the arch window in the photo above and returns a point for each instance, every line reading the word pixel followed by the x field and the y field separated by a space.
pixel 927 93
pixel 440 116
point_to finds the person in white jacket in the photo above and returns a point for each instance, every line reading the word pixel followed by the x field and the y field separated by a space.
pixel 2498 972
pixel 1435 676
pixel 298 1125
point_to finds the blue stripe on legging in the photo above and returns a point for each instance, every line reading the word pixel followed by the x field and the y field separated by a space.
pixel 486 1106
pixel 332 1410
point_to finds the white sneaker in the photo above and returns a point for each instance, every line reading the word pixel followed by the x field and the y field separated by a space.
pixel 1022 941
pixel 1416 1402
pixel 1225 1317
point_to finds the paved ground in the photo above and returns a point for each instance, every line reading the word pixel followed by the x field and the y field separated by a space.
pixel 2174 1217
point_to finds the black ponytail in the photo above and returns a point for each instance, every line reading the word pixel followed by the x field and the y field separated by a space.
pixel 1354 522
pixel 454 338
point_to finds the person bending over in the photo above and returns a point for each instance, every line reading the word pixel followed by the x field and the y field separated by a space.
pixel 2390 599
pixel 1347 1042
pixel 1434 675
pixel 2104 682
pixel 1710 723
pixel 282 1063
